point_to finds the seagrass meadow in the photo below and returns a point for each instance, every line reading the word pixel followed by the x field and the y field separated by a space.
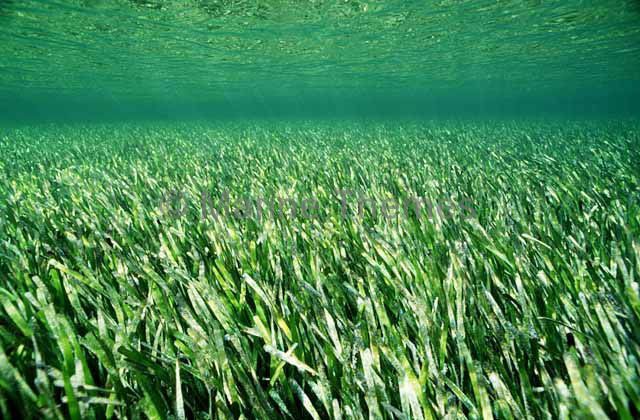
pixel 319 209
pixel 525 305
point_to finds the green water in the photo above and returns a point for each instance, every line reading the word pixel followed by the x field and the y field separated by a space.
pixel 329 209
pixel 219 59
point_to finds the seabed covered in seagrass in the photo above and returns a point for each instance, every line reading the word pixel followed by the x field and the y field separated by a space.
pixel 522 303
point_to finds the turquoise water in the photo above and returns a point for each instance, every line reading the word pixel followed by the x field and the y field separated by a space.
pixel 327 209
pixel 118 59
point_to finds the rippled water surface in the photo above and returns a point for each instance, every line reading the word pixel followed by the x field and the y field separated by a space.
pixel 208 49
